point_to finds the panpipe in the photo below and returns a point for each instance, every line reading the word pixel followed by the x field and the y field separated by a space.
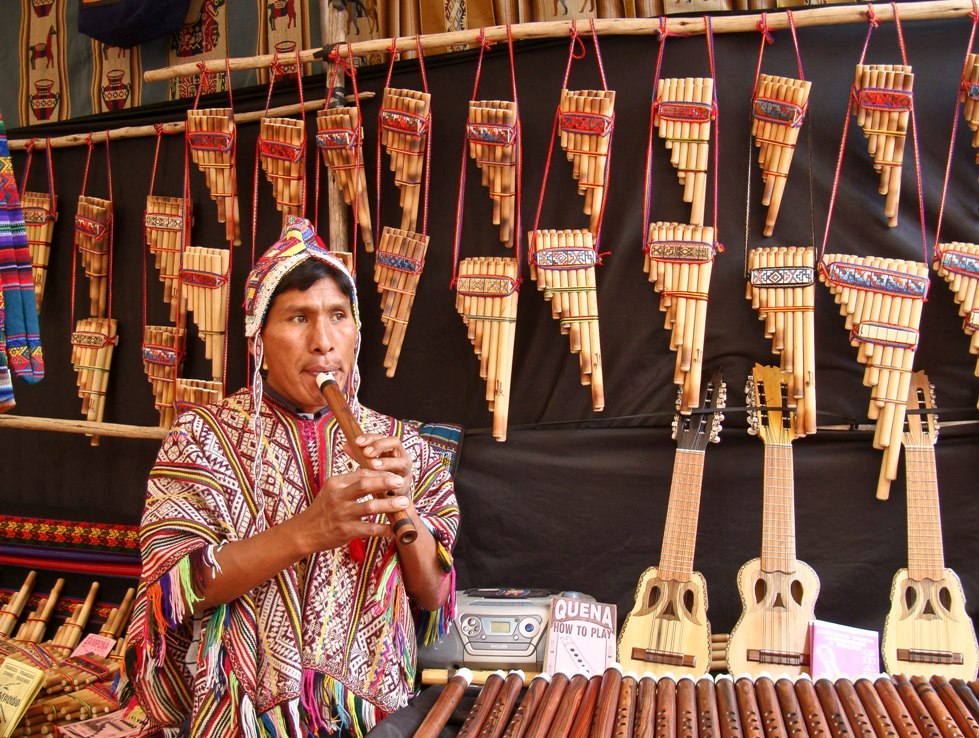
pixel 163 357
pixel 493 133
pixel 92 344
pixel 782 288
pixel 166 223
pixel 118 619
pixel 883 108
pixel 683 112
pixel 211 137
pixel 778 110
pixel 189 393
pixel 69 633
pixel 39 218
pixel 34 625
pixel 282 153
pixel 340 139
pixel 404 122
pixel 93 238
pixel 585 122
pixel 398 266
pixel 563 265
pixel 679 258
pixel 881 300
pixel 958 264
pixel 486 298
pixel 10 613
pixel 204 283
pixel 969 94
pixel 723 707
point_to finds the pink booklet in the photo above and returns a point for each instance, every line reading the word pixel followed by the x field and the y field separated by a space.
pixel 843 651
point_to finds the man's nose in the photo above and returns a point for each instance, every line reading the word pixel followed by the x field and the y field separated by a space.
pixel 321 338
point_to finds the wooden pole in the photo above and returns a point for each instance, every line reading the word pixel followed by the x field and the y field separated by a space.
pixel 821 16
pixel 60 425
pixel 333 31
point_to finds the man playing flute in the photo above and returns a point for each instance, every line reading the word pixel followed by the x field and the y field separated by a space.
pixel 274 601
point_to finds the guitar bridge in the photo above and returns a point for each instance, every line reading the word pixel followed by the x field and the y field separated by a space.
pixel 925 656
pixel 783 658
pixel 671 658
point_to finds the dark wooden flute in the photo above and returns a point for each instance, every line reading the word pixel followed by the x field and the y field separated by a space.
pixel 404 529
pixel 933 703
pixel 967 696
pixel 528 706
pixel 853 707
pixel 839 725
pixel 956 708
pixel 625 710
pixel 482 706
pixel 708 722
pixel 564 715
pixel 645 725
pixel 771 713
pixel 581 727
pixel 686 708
pixel 544 714
pixel 727 708
pixel 875 710
pixel 504 704
pixel 441 711
pixel 926 723
pixel 751 722
pixel 812 712
pixel 792 717
pixel 608 700
pixel 899 712
pixel 665 707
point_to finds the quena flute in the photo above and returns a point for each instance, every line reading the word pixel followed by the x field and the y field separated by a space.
pixel 528 707
pixel 441 711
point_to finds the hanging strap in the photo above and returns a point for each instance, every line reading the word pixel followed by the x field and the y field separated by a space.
pixel 49 168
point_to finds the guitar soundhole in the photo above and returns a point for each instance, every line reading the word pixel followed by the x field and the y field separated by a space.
pixel 796 590
pixel 945 598
pixel 654 594
pixel 910 597
pixel 760 589
pixel 688 600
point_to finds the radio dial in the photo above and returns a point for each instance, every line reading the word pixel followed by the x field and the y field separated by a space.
pixel 529 627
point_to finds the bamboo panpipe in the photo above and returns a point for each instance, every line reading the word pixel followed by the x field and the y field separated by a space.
pixel 718 651
pixel 92 345
pixel 69 633
pixel 32 629
pixel 204 276
pixel 527 709
pixel 166 223
pixel 211 137
pixel 563 265
pixel 340 139
pixel 39 217
pixel 188 393
pixel 446 703
pixel 397 268
pixel 778 110
pixel 679 259
pixel 682 115
pixel 486 298
pixel 782 288
pixel 881 300
pixel 969 94
pixel 163 358
pixel 883 109
pixel 10 612
pixel 93 238
pixel 118 620
pixel 282 152
pixel 404 128
pixel 958 264
pixel 586 121
pixel 493 133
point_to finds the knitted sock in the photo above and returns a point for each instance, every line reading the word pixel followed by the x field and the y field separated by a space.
pixel 6 388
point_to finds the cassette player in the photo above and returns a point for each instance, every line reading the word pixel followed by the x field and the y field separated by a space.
pixel 495 629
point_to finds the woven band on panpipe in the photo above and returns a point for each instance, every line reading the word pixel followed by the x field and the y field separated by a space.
pixel 405 120
pixel 493 133
pixel 679 258
pixel 958 264
pixel 881 300
pixel 204 282
pixel 969 94
pixel 92 345
pixel 191 393
pixel 882 103
pixel 282 153
pixel 563 265
pixel 211 136
pixel 93 238
pixel 586 121
pixel 778 110
pixel 782 288
pixel 166 222
pixel 486 298
pixel 398 266
pixel 163 358
pixel 340 139
pixel 39 218
pixel 683 112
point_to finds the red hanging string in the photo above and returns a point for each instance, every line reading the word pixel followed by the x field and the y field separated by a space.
pixel 156 158
pixel 49 168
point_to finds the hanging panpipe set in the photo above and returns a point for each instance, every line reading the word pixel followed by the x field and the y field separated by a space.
pixel 969 94
pixel 92 344
pixel 282 153
pixel 881 300
pixel 958 264
pixel 782 288
pixel 683 112
pixel 166 223
pixel 404 128
pixel 486 298
pixel 211 136
pixel 93 237
pixel 188 393
pixel 493 133
pixel 563 265
pixel 883 109
pixel 398 266
pixel 163 357
pixel 679 258
pixel 586 119
pixel 39 218
pixel 340 139
pixel 204 283
pixel 777 113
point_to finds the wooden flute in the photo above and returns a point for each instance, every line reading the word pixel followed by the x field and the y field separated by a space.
pixel 404 529
pixel 899 712
pixel 581 727
pixel 482 707
pixel 528 707
pixel 567 708
pixel 544 714
pixel 923 719
pixel 441 711
pixel 955 706
pixel 645 726
pixel 503 705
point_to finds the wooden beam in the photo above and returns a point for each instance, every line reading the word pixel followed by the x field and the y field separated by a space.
pixel 88 428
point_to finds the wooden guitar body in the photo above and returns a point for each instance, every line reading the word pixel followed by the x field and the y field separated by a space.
pixel 927 630
pixel 772 634
pixel 667 628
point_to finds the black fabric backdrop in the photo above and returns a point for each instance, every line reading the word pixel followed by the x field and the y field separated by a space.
pixel 576 499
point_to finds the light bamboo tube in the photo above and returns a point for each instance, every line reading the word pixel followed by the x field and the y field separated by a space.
pixel 163 348
pixel 340 139
pixel 282 153
pixel 15 606
pixel 204 277
pixel 398 266
pixel 39 218
pixel 491 131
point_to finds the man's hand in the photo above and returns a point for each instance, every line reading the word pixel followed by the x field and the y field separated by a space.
pixel 387 454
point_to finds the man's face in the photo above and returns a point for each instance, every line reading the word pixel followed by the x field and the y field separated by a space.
pixel 308 332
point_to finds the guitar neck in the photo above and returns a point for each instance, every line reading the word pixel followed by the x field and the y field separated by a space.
pixel 926 558
pixel 680 536
pixel 778 512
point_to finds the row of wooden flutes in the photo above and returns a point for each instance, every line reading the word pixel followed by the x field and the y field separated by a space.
pixel 958 264
pixel 92 345
pixel 39 217
pixel 493 135
pixel 93 238
pixel 340 138
pixel 398 266
pixel 282 153
pixel 404 124
pixel 617 705
pixel 586 124
pixel 211 136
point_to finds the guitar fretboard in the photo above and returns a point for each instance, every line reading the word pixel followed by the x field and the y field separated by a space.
pixel 680 534
pixel 778 510
pixel 926 557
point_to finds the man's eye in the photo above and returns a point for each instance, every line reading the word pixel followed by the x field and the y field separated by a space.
pixel 299 318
